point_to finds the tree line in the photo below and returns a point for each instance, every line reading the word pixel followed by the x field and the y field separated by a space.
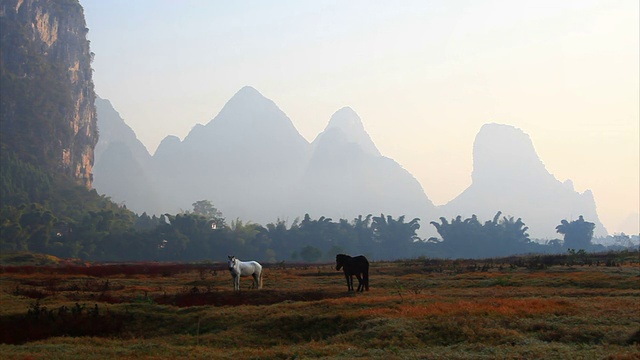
pixel 112 233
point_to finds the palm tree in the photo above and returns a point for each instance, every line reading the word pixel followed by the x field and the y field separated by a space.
pixel 394 236
pixel 577 234
pixel 470 238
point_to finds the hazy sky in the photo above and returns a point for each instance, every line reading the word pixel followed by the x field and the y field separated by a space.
pixel 424 76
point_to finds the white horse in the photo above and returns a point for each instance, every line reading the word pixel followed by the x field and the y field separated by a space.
pixel 239 268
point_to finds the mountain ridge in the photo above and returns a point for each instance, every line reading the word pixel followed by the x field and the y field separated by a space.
pixel 261 175
pixel 123 165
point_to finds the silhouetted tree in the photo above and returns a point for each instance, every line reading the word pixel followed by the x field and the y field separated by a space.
pixel 38 223
pixel 393 236
pixel 146 222
pixel 577 233
pixel 363 233
pixel 245 239
pixel 280 238
pixel 310 253
pixel 205 208
pixel 470 238
pixel 171 243
pixel 12 236
pixel 460 238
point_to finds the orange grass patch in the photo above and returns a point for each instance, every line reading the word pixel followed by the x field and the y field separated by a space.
pixel 500 307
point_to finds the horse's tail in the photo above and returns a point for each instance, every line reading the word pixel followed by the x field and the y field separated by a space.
pixel 260 278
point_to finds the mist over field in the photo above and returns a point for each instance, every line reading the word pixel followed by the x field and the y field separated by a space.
pixel 424 78
pixel 297 131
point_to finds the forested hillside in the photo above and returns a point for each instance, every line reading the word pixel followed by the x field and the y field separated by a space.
pixel 48 128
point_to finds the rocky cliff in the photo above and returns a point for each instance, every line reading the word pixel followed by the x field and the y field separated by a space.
pixel 48 115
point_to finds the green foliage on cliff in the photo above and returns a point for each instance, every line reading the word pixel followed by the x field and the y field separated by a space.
pixel 49 213
pixel 34 99
pixel 47 114
pixel 22 182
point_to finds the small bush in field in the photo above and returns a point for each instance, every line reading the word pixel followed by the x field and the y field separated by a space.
pixel 40 323
pixel 634 338
pixel 107 270
pixel 30 293
pixel 568 334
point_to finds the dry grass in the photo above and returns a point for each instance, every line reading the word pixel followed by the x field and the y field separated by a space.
pixel 457 312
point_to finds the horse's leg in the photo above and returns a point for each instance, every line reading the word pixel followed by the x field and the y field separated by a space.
pixel 256 281
pixel 360 284
pixel 365 278
pixel 260 280
pixel 349 286
pixel 236 283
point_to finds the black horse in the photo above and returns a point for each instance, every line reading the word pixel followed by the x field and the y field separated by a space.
pixel 358 266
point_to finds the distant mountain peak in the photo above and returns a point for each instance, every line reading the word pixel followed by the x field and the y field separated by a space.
pixel 248 89
pixel 247 121
pixel 509 176
pixel 504 153
pixel 347 121
pixel 248 102
pixel 249 108
pixel 250 95
pixel 345 118
pixel 167 145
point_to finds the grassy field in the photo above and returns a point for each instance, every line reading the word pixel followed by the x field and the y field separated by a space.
pixel 555 307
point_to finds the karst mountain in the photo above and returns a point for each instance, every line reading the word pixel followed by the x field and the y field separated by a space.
pixel 252 164
pixel 508 176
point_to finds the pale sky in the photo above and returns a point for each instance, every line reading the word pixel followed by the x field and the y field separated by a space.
pixel 424 76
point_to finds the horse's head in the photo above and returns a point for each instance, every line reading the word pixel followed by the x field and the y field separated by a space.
pixel 340 259
pixel 232 262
